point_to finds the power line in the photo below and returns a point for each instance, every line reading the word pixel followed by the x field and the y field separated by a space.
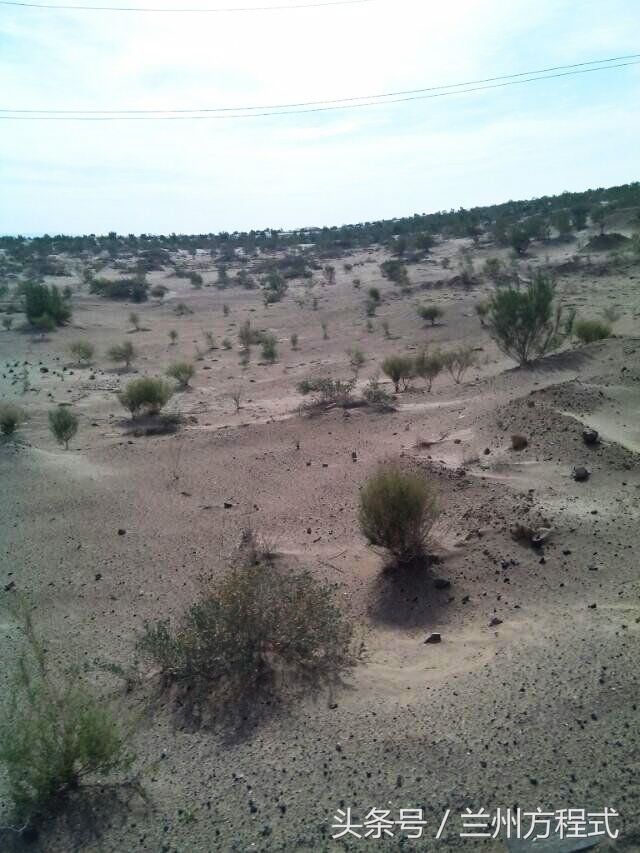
pixel 218 9
pixel 175 117
pixel 402 92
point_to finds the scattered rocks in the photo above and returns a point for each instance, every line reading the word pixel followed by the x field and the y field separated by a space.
pixel 590 437
pixel 580 474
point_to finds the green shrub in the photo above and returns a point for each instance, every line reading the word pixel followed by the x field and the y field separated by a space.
pixel 182 372
pixel 428 365
pixel 294 341
pixel 588 331
pixel 63 424
pixel 134 319
pixel 125 289
pixel 11 416
pixel 257 631
pixel 397 510
pixel 41 301
pixel 430 313
pixel 524 322
pixel 356 359
pixel 327 391
pixel 122 353
pixel 173 337
pixel 159 291
pixel 274 288
pixel 54 732
pixel 399 368
pixel 269 348
pixel 226 343
pixel 247 335
pixel 83 351
pixel 396 272
pixel 481 309
pixel 182 308
pixel 145 393
pixel 370 307
pixel 325 330
pixel 374 294
pixel 457 362
pixel 375 394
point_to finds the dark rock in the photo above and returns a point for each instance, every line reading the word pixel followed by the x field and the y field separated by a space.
pixel 441 583
pixel 590 436
pixel 580 474
pixel 121 531
pixel 433 638
pixel 228 505
pixel 495 621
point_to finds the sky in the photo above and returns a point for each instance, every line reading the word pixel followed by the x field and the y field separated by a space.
pixel 326 168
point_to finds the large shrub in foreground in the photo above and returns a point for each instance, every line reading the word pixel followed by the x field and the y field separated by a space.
pixel 525 322
pixel 146 394
pixel 54 732
pixel 397 510
pixel 256 629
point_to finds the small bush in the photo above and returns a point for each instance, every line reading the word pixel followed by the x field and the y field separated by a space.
pixel 63 424
pixel 481 309
pixel 458 361
pixel 327 391
pixel 159 291
pixel 11 416
pixel 399 368
pixel 182 372
pixel 7 322
pixel 325 330
pixel 269 348
pixel 397 510
pixel 356 359
pixel 54 732
pixel 83 351
pixel 123 353
pixel 294 341
pixel 396 272
pixel 173 337
pixel 134 319
pixel 211 341
pixel 430 313
pixel 225 310
pixel 374 294
pixel 258 631
pixel 226 344
pixel 588 331
pixel 375 394
pixel 146 393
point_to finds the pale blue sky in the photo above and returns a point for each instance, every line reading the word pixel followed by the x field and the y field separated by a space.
pixel 326 168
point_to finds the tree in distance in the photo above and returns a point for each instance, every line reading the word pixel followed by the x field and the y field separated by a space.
pixel 399 368
pixel 83 351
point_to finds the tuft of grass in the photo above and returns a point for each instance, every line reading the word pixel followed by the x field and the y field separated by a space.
pixel 54 733
pixel 397 511
pixel 588 331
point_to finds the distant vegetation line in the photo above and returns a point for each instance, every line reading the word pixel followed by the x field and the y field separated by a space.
pixel 499 220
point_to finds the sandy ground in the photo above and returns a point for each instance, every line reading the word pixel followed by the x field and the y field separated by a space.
pixel 536 709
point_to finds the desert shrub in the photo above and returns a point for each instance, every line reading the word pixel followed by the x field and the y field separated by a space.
pixel 182 308
pixel 269 348
pixel 374 294
pixel 11 416
pixel 134 319
pixel 523 320
pixel 375 394
pixel 430 313
pixel 397 510
pixel 7 322
pixel 173 336
pixel 145 394
pixel 226 343
pixel 41 302
pixel 182 372
pixel 356 283
pixel 399 368
pixel 63 423
pixel 458 361
pixel 54 732
pixel 247 335
pixel 329 273
pixel 126 289
pixel 236 396
pixel 257 631
pixel 294 340
pixel 493 269
pixel 325 330
pixel 159 291
pixel 122 353
pixel 356 359
pixel 274 288
pixel 43 324
pixel 588 331
pixel 428 365
pixel 196 280
pixel 519 240
pixel 395 271
pixel 211 341
pixel 370 307
pixel 327 391
pixel 83 351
